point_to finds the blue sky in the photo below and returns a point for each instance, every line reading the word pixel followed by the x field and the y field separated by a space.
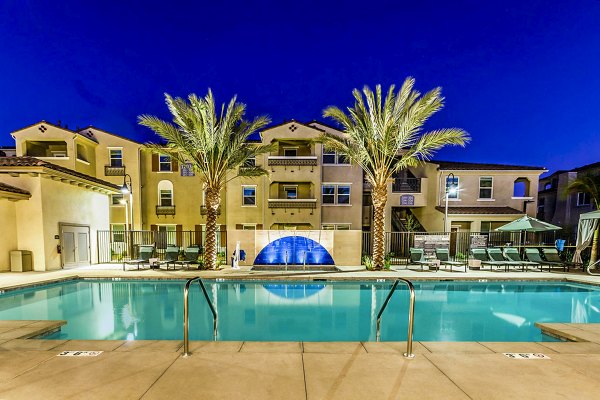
pixel 520 76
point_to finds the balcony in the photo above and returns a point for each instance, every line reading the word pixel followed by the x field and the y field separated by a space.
pixel 165 210
pixel 204 210
pixel 292 160
pixel 406 185
pixel 109 170
pixel 292 203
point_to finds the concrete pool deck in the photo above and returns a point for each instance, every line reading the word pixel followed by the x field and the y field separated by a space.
pixel 31 368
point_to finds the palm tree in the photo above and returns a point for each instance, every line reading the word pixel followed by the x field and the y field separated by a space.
pixel 384 136
pixel 589 184
pixel 215 144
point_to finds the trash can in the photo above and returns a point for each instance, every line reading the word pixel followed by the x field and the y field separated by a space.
pixel 20 260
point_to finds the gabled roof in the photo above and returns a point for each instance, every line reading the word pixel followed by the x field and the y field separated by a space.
pixel 81 131
pixel 314 121
pixel 481 210
pixel 459 165
pixel 9 163
pixel 21 193
pixel 290 122
pixel 44 122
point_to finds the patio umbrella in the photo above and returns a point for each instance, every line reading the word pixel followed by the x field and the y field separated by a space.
pixel 527 224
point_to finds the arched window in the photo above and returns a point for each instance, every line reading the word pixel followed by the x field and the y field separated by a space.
pixel 165 193
pixel 521 187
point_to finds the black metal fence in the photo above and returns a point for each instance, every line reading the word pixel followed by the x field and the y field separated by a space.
pixel 117 246
pixel 398 244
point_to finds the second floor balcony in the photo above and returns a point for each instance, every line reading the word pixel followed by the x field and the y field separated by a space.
pixel 110 170
pixel 292 160
pixel 165 210
pixel 406 185
pixel 292 203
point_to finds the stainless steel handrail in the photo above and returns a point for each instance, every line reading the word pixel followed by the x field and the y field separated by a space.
pixel 411 314
pixel 186 313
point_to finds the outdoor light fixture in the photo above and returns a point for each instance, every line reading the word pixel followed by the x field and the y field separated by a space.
pixel 449 190
pixel 128 189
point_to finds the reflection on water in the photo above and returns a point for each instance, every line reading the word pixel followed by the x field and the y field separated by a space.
pixel 454 311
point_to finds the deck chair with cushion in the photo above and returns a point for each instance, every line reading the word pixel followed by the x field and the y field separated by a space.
pixel 534 255
pixel 512 254
pixel 417 257
pixel 553 257
pixel 171 256
pixel 482 255
pixel 190 255
pixel 495 254
pixel 145 253
pixel 443 255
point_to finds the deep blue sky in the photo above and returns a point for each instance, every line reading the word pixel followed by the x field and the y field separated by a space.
pixel 522 77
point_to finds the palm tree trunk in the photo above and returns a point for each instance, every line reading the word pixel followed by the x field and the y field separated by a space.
pixel 212 200
pixel 379 195
pixel 594 253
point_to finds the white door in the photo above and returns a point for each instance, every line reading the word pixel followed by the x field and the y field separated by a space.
pixel 75 245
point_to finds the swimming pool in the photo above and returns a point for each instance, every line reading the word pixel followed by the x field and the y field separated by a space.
pixel 304 311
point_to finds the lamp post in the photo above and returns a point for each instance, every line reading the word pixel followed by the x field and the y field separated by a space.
pixel 128 189
pixel 449 190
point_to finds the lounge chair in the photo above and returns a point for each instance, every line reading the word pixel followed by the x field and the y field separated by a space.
pixel 513 254
pixel 443 255
pixel 190 257
pixel 495 254
pixel 552 256
pixel 145 253
pixel 171 256
pixel 482 255
pixel 418 257
pixel 534 255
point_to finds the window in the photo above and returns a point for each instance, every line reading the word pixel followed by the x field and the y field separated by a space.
pixel 490 226
pixel 249 227
pixel 331 157
pixel 166 198
pixel 167 228
pixel 250 162
pixel 583 199
pixel 337 227
pixel 115 157
pixel 187 169
pixel 335 194
pixel 328 194
pixel 248 195
pixel 116 199
pixel 118 232
pixel 165 193
pixel 452 187
pixel 290 152
pixel 521 188
pixel 485 187
pixel 164 163
pixel 291 192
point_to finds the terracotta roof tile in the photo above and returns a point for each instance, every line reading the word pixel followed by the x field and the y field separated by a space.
pixel 459 165
pixel 12 189
pixel 34 162
pixel 481 210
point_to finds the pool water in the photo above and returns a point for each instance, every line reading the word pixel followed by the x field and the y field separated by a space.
pixel 304 311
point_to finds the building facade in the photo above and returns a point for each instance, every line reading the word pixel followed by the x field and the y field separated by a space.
pixel 559 207
pixel 308 188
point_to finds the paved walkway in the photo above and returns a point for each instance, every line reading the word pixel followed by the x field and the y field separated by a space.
pixel 31 368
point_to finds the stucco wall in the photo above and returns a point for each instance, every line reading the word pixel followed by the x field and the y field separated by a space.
pixel 64 203
pixel 8 216
pixel 347 246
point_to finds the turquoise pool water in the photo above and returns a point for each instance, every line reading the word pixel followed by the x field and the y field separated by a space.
pixel 307 311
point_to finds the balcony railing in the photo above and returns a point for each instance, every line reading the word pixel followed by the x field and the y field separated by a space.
pixel 296 160
pixel 165 210
pixel 204 210
pixel 292 203
pixel 109 170
pixel 406 185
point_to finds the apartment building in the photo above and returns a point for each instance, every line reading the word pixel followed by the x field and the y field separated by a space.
pixel 309 188
pixel 485 196
pixel 556 205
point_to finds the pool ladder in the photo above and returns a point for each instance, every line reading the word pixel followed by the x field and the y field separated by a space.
pixel 411 314
pixel 186 313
